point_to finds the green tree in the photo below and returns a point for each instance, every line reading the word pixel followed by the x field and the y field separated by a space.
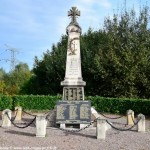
pixel 2 82
pixel 17 78
pixel 115 59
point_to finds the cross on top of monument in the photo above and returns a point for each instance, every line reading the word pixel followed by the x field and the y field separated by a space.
pixel 74 13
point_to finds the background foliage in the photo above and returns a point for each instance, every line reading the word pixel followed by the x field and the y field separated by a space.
pixel 115 61
pixel 12 82
pixel 101 104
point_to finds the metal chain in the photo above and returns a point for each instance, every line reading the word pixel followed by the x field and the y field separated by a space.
pixel 15 115
pixel 28 113
pixel 110 117
pixel 123 129
pixel 132 118
pixel 19 126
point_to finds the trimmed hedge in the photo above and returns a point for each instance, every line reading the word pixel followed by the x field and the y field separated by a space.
pixel 35 102
pixel 5 102
pixel 120 105
pixel 101 104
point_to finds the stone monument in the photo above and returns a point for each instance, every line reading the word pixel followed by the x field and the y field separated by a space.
pixel 73 84
pixel 73 109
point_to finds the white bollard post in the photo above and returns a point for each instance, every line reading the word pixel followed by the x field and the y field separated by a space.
pixel 141 123
pixel 41 124
pixel 18 113
pixel 101 129
pixel 5 120
pixel 130 117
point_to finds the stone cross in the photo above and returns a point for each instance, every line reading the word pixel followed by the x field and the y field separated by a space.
pixel 74 12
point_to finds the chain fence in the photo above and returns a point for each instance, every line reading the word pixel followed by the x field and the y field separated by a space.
pixel 27 125
pixel 28 113
pixel 49 114
pixel 132 118
pixel 121 129
pixel 110 117
pixel 13 119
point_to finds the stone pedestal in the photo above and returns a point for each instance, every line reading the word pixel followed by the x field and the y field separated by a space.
pixel 101 129
pixel 18 113
pixel 5 120
pixel 141 123
pixel 41 124
pixel 72 93
pixel 130 117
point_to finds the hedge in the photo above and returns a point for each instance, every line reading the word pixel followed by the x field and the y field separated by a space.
pixel 35 102
pixel 120 105
pixel 101 104
pixel 5 102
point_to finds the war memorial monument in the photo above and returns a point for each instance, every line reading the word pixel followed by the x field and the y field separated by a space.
pixel 73 109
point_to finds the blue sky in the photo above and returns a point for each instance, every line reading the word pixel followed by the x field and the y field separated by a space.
pixel 32 26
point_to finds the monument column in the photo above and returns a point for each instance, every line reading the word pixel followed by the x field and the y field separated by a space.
pixel 73 109
pixel 73 84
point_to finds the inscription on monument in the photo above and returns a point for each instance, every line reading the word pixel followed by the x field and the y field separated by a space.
pixel 73 67
pixel 72 112
pixel 73 93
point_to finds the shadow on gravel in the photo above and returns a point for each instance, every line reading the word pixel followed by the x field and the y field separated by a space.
pixel 26 120
pixel 81 134
pixel 20 133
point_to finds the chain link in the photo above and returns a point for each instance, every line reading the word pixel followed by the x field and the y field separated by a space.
pixel 19 126
pixel 120 129
pixel 132 118
pixel 110 117
pixel 29 113
pixel 15 115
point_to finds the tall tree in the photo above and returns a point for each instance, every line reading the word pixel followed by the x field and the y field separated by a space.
pixel 115 59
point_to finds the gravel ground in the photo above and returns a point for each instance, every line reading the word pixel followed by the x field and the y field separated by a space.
pixel 14 138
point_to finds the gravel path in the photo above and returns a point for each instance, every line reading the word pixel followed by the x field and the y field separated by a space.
pixel 13 138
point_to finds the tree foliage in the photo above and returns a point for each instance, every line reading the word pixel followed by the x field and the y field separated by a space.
pixel 12 82
pixel 115 59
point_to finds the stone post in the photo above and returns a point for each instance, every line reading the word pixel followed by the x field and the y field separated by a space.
pixel 18 113
pixel 130 117
pixel 101 129
pixel 5 120
pixel 41 124
pixel 141 123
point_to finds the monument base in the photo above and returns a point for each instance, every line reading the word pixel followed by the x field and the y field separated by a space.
pixel 72 93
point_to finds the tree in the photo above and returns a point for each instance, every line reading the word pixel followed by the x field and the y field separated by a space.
pixel 17 78
pixel 2 82
pixel 115 59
